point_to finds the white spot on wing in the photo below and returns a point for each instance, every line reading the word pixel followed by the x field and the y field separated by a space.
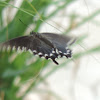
pixel 68 51
pixel 30 51
pixel 40 53
pixel 65 53
pixel 51 54
pixel 13 48
pixel 4 48
pixel 60 52
pixel 34 51
pixel 8 48
pixel 57 51
pixel 46 55
pixel 53 51
pixel 24 48
pixel 19 48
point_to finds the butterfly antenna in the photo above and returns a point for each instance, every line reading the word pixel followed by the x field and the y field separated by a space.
pixel 25 24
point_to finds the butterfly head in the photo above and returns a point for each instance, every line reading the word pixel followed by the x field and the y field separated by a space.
pixel 33 33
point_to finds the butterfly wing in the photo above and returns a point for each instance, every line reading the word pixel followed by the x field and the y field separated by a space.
pixel 17 43
pixel 48 45
pixel 45 50
pixel 61 42
pixel 36 44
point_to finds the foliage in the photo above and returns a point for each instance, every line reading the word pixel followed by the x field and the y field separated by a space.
pixel 24 66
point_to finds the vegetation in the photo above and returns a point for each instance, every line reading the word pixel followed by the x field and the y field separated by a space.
pixel 17 68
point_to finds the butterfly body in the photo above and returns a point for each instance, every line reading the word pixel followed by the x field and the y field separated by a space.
pixel 48 45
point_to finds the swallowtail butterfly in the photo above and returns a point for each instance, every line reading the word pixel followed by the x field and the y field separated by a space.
pixel 48 45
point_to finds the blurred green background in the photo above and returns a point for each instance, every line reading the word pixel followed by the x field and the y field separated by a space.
pixel 17 69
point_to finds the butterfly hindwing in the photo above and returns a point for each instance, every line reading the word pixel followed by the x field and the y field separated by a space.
pixel 61 42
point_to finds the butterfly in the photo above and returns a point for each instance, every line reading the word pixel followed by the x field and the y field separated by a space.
pixel 47 45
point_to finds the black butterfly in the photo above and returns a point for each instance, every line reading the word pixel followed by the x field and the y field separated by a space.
pixel 48 45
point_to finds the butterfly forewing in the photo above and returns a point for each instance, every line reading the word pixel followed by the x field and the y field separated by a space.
pixel 16 43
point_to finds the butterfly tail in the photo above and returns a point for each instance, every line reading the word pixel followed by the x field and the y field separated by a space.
pixel 73 40
pixel 55 61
